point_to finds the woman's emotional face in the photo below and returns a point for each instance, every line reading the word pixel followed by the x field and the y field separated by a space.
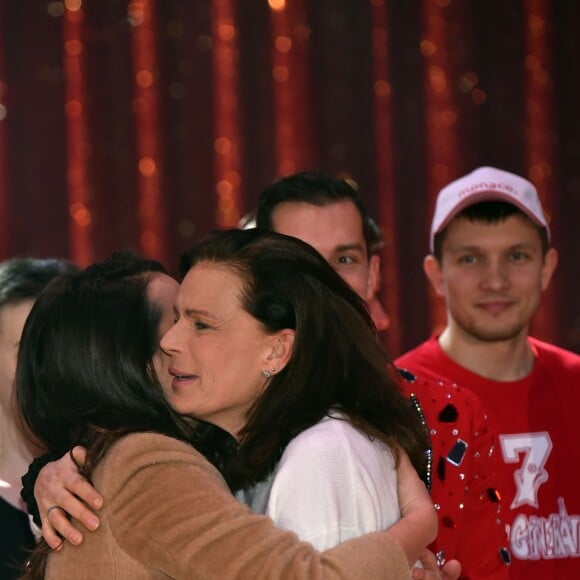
pixel 218 351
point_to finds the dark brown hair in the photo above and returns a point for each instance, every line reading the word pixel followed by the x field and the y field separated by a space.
pixel 320 190
pixel 337 360
pixel 488 212
pixel 85 371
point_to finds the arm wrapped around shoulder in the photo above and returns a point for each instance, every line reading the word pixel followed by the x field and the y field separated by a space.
pixel 169 509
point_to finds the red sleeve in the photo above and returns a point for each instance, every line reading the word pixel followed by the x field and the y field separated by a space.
pixel 462 478
pixel 482 538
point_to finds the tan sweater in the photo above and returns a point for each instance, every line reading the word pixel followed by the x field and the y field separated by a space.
pixel 169 514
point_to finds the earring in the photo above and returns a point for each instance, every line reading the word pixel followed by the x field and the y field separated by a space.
pixel 267 374
pixel 275 369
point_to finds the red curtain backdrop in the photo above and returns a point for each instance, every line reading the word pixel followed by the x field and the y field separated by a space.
pixel 146 124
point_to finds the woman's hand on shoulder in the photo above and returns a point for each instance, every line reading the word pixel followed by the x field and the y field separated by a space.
pixel 60 490
pixel 417 527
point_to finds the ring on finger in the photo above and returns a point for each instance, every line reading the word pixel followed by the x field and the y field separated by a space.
pixel 52 507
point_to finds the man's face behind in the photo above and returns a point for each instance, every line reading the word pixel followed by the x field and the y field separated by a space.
pixel 336 232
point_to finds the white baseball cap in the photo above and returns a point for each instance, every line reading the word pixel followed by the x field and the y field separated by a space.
pixel 486 184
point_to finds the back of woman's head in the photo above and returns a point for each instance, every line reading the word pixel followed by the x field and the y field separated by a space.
pixel 337 360
pixel 25 278
pixel 85 359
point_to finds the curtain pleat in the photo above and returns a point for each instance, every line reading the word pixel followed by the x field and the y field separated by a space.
pixel 145 124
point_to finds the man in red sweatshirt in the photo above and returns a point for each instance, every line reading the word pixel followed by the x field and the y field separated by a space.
pixel 491 259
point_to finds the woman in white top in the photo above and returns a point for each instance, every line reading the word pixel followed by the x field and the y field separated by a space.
pixel 322 431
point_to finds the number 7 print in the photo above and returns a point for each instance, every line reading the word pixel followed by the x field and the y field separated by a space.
pixel 536 448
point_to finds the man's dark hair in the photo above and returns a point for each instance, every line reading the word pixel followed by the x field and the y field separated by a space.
pixel 317 189
pixel 488 212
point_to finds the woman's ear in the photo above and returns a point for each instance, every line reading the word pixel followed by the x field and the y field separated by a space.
pixel 281 349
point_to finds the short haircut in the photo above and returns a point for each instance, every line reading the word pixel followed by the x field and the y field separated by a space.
pixel 317 189
pixel 488 212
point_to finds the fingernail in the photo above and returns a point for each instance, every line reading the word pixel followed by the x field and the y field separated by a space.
pixel 76 538
pixel 92 523
pixel 97 502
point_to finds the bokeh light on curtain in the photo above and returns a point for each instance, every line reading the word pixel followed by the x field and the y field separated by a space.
pixel 145 124
pixel 539 136
pixel 4 208
pixel 291 89
pixel 385 186
pixel 77 138
pixel 143 17
pixel 227 132
pixel 441 114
